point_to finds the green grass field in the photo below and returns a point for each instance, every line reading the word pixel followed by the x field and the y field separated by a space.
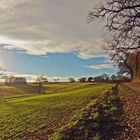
pixel 24 117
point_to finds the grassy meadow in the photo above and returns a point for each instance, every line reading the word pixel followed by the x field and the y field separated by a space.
pixel 27 114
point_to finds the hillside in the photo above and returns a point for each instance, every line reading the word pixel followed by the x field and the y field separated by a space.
pixel 32 89
pixel 81 110
pixel 38 116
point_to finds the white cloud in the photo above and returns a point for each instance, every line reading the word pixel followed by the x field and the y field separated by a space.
pixel 49 26
pixel 101 66
pixel 80 48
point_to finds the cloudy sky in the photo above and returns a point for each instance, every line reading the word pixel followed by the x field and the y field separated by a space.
pixel 51 37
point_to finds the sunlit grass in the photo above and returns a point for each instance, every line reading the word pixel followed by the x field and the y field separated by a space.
pixel 20 116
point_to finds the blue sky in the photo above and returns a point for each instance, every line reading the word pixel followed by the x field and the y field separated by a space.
pixel 57 64
pixel 53 38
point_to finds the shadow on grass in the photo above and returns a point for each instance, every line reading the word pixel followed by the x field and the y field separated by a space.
pixel 97 121
pixel 110 126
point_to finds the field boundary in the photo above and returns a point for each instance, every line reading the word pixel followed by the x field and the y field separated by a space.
pixel 94 121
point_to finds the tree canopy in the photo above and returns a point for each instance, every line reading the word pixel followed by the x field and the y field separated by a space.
pixel 122 21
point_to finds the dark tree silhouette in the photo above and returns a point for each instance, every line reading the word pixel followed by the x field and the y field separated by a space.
pixel 122 21
pixel 71 80
pixel 41 80
pixel 83 79
pixel 89 79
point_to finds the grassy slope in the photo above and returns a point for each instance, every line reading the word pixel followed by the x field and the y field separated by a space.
pixel 8 92
pixel 31 89
pixel 25 115
pixel 94 121
pixel 55 87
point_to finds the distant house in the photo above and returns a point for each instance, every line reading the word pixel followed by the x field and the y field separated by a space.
pixel 15 81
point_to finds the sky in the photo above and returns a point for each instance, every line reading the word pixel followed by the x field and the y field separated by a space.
pixel 53 38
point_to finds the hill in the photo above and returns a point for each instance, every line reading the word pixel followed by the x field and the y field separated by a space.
pixel 41 115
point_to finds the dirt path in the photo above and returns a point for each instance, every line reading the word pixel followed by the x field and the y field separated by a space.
pixel 128 125
pixel 134 86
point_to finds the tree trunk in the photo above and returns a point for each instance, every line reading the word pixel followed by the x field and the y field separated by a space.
pixel 137 74
pixel 131 70
pixel 132 74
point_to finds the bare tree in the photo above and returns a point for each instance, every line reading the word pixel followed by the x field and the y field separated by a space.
pixel 41 80
pixel 122 21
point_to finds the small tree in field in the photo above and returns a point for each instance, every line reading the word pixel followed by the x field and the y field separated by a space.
pixel 41 80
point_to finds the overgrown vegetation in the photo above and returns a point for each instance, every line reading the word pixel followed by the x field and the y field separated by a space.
pixel 95 121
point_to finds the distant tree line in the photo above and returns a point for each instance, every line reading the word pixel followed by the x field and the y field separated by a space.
pixel 106 78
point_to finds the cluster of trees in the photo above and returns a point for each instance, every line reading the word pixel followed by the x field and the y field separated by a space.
pixel 122 21
pixel 72 80
pixel 11 80
pixel 105 78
